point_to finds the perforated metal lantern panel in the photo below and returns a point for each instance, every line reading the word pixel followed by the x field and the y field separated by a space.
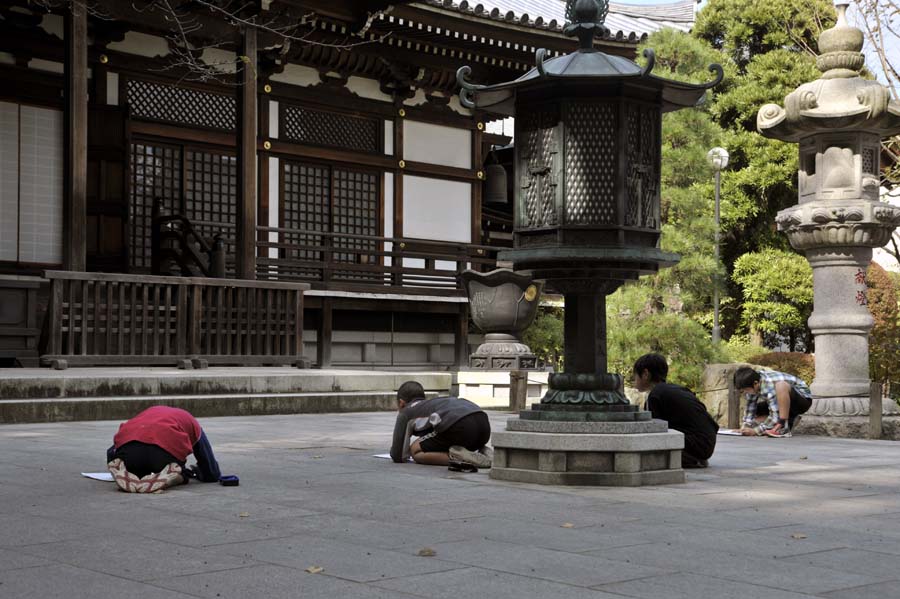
pixel 590 194
pixel 181 105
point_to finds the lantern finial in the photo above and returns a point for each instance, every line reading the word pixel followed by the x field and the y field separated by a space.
pixel 585 21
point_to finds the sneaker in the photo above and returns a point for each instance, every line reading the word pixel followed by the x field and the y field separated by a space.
pixel 459 453
pixel 487 452
pixel 454 466
pixel 779 432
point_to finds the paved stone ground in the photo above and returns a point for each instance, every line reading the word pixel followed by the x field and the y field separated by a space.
pixel 779 519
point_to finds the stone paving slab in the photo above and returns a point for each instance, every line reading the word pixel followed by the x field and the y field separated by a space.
pixel 312 495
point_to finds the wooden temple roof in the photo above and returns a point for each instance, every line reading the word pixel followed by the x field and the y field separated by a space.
pixel 627 22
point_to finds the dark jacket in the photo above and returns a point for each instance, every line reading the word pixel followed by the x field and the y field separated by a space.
pixel 449 409
pixel 679 407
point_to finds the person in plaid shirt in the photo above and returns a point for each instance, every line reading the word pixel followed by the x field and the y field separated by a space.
pixel 786 395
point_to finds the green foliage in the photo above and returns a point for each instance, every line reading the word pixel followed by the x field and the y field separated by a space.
pixel 743 29
pixel 884 339
pixel 545 336
pixel 636 325
pixel 778 294
pixel 802 366
pixel 740 348
pixel 764 50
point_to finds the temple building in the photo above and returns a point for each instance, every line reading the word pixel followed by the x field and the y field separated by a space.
pixel 171 171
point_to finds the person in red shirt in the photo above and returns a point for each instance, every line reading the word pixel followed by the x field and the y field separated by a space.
pixel 159 436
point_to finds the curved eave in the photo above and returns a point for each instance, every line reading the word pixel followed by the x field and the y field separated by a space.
pixel 500 99
pixel 886 124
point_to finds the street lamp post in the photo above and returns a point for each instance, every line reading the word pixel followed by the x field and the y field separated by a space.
pixel 718 159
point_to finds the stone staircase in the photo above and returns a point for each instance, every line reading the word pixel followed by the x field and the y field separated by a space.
pixel 41 395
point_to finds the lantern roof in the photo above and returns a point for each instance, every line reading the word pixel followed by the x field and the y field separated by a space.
pixel 839 100
pixel 585 65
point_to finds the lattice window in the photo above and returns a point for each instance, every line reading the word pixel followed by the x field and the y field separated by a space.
pixel 307 206
pixel 539 169
pixel 591 163
pixel 210 196
pixel 180 105
pixel 869 165
pixel 331 129
pixel 355 212
pixel 156 173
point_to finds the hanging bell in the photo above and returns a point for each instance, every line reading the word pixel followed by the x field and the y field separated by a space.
pixel 495 184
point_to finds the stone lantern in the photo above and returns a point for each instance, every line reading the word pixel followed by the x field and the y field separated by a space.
pixel 587 178
pixel 839 121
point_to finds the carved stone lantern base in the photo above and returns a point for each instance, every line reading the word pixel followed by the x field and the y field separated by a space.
pixel 501 351
pixel 591 453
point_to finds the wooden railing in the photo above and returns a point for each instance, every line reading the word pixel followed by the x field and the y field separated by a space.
pixel 111 319
pixel 354 261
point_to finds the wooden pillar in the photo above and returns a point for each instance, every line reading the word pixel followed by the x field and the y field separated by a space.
pixel 518 390
pixel 461 339
pixel 323 335
pixel 76 123
pixel 245 260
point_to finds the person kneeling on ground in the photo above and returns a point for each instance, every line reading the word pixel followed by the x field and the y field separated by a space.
pixel 449 429
pixel 786 395
pixel 679 407
pixel 157 442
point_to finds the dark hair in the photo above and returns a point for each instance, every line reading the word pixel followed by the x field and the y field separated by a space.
pixel 410 391
pixel 745 377
pixel 655 364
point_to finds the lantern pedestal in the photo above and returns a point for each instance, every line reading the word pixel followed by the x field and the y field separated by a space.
pixel 611 453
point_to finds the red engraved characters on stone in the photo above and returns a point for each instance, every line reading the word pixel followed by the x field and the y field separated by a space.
pixel 860 277
pixel 861 298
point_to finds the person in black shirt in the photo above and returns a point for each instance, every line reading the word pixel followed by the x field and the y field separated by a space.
pixel 679 407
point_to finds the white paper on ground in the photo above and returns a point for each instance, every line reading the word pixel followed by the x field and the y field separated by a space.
pixel 387 456
pixel 730 431
pixel 105 476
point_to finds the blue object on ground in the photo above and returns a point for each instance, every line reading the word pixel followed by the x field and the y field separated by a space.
pixel 229 480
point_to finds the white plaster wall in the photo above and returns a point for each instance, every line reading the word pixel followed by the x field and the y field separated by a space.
pixel 297 75
pixel 389 137
pixel 437 209
pixel 274 202
pixel 50 66
pixel 141 44
pixel 274 116
pixel 221 60
pixel 54 25
pixel 41 185
pixel 417 100
pixel 112 89
pixel 437 144
pixel 457 107
pixel 9 181
pixel 388 214
pixel 367 88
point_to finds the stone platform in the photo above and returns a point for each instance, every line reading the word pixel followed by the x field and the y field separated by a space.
pixel 592 453
pixel 42 395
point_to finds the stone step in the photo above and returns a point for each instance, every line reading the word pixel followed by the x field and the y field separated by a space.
pixel 63 409
pixel 20 383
